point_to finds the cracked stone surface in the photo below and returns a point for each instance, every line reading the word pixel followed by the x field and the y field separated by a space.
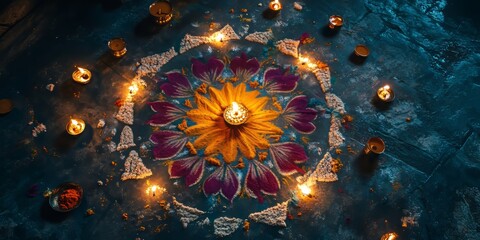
pixel 427 50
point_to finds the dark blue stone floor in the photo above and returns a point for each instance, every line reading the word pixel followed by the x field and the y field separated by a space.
pixel 427 50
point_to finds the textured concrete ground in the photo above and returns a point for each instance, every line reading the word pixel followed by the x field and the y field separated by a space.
pixel 429 51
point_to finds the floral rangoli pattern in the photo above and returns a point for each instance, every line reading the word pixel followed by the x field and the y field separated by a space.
pixel 191 121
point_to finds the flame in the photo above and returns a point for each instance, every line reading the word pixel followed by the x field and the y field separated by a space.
pixel 74 122
pixel 133 89
pixel 82 70
pixel 235 107
pixel 306 190
pixel 275 5
pixel 386 87
pixel 152 190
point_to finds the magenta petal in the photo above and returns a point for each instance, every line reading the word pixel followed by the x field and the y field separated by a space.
pixel 168 144
pixel 278 80
pixel 243 67
pixel 167 113
pixel 299 116
pixel 191 168
pixel 260 179
pixel 208 72
pixel 177 86
pixel 223 180
pixel 286 155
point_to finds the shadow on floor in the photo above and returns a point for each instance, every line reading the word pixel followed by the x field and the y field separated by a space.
pixel 148 27
pixel 50 215
pixel 366 164
pixel 328 32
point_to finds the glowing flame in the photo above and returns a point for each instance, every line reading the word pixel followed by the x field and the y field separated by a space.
pixel 217 37
pixel 389 236
pixel 386 87
pixel 306 190
pixel 235 108
pixel 306 61
pixel 133 89
pixel 152 190
pixel 275 5
pixel 74 122
pixel 82 70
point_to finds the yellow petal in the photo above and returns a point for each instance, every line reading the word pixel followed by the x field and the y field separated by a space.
pixel 207 105
pixel 255 105
pixel 218 96
pixel 229 149
pixel 202 128
pixel 264 116
pixel 199 116
pixel 264 128
pixel 205 139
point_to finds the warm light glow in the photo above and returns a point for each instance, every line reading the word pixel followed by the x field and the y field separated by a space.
pixel 389 236
pixel 235 114
pixel 133 89
pixel 217 37
pixel 155 189
pixel 75 126
pixel 81 75
pixel 306 62
pixel 335 21
pixel 384 93
pixel 275 5
pixel 306 190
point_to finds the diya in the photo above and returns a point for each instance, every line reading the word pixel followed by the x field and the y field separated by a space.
pixel 374 145
pixel 385 94
pixel 335 21
pixel 75 126
pixel 81 75
pixel 235 114
pixel 117 46
pixel 162 11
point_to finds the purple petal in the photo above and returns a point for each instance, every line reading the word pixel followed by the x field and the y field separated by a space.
pixel 167 113
pixel 208 72
pixel 223 180
pixel 299 116
pixel 244 68
pixel 278 80
pixel 168 144
pixel 260 179
pixel 286 155
pixel 191 168
pixel 177 86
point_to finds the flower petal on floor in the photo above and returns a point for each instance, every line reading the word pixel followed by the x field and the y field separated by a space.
pixel 166 113
pixel 168 143
pixel 177 86
pixel 277 80
pixel 285 157
pixel 260 179
pixel 207 72
pixel 299 116
pixel 223 180
pixel 191 168
pixel 243 67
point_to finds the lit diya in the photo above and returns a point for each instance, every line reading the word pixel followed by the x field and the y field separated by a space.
pixel 162 11
pixel 235 114
pixel 75 126
pixel 81 75
pixel 275 5
pixel 117 46
pixel 386 94
pixel 335 21
pixel 389 236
